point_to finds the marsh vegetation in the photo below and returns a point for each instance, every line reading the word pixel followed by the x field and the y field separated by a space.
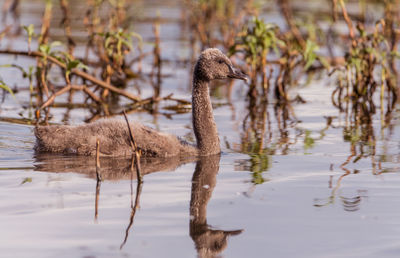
pixel 322 99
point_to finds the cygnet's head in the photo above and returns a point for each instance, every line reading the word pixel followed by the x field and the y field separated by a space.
pixel 213 64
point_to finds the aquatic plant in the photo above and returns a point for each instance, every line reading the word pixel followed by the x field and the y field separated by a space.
pixel 369 65
pixel 215 23
pixel 254 42
pixel 268 50
pixel 4 86
pixel 114 50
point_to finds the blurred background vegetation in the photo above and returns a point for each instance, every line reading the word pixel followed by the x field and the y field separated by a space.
pixel 92 49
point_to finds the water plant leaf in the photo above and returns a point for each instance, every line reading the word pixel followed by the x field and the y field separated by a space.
pixel 4 86
pixel 309 142
pixel 137 36
pixel 30 30
pixel 309 55
pixel 75 64
pixel 46 48
pixel 72 64
pixel 256 40
pixel 24 73
pixel 324 62
pixel 26 180
pixel 395 54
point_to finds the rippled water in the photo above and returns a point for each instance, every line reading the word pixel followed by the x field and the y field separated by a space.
pixel 303 199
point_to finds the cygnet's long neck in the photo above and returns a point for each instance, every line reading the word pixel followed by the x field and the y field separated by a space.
pixel 204 125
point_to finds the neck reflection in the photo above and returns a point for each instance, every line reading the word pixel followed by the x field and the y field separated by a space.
pixel 209 242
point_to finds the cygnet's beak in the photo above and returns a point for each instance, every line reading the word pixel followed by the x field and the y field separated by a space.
pixel 237 74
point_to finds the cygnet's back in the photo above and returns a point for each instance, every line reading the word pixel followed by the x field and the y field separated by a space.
pixel 114 140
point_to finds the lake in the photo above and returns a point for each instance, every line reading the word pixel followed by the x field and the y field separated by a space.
pixel 321 186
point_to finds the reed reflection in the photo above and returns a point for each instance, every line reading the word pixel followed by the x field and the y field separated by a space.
pixel 359 131
pixel 265 132
pixel 209 242
pixel 111 168
pixel 134 207
pixel 349 203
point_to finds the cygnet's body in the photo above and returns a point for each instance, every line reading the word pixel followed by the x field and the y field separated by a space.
pixel 114 140
pixel 114 136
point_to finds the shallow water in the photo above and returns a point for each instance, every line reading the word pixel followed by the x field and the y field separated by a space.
pixel 301 199
pixel 51 214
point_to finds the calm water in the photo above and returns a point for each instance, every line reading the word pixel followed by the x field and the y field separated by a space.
pixel 302 199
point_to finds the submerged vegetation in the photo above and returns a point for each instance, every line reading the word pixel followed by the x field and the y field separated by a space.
pixel 105 57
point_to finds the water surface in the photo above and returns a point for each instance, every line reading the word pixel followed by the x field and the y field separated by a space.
pixel 312 192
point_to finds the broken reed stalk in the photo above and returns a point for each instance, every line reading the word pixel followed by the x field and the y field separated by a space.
pixel 42 62
pixel 130 108
pixel 135 150
pixel 349 23
pixel 66 21
pixel 334 10
pixel 288 15
pixel 67 88
pixel 157 57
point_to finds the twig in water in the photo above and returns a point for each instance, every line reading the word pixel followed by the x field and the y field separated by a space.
pixel 96 204
pixel 133 212
pixel 139 177
pixel 98 176
pixel 135 150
